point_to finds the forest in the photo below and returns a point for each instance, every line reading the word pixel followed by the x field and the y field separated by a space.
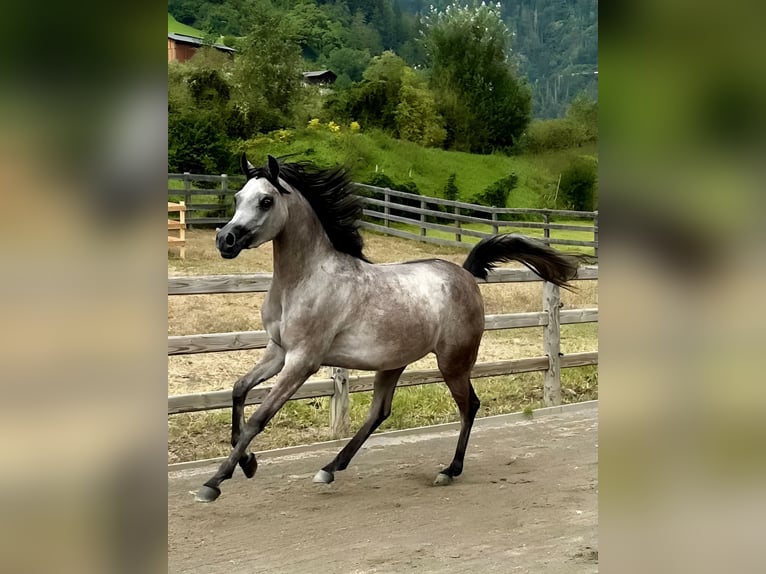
pixel 510 77
pixel 554 42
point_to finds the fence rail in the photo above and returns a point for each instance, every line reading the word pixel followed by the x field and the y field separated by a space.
pixel 392 212
pixel 339 384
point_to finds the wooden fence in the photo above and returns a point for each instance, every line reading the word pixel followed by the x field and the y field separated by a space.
pixel 339 384
pixel 393 212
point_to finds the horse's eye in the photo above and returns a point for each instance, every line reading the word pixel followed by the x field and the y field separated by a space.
pixel 266 203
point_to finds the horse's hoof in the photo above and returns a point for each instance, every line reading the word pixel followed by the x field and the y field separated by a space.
pixel 442 479
pixel 324 477
pixel 207 493
pixel 249 466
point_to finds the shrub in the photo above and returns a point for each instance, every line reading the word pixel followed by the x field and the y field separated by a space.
pixel 548 135
pixel 451 190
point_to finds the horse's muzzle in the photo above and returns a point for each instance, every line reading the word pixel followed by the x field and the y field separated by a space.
pixel 231 240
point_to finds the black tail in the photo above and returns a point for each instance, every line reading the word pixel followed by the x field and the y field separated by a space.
pixel 554 266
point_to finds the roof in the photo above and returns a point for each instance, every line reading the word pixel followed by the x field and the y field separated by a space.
pixel 197 41
pixel 319 74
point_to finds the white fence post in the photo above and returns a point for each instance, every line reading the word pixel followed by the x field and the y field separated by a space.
pixel 552 345
pixel 422 219
pixel 340 418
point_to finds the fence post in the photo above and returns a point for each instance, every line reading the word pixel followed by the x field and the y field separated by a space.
pixel 340 418
pixel 222 197
pixel 422 219
pixel 458 236
pixel 546 229
pixel 495 228
pixel 595 233
pixel 187 187
pixel 386 210
pixel 552 345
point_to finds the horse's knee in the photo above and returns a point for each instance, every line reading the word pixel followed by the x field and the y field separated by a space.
pixel 240 390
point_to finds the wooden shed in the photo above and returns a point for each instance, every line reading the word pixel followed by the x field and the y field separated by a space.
pixel 182 47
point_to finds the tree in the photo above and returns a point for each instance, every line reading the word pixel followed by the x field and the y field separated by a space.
pixel 267 72
pixel 417 119
pixel 484 104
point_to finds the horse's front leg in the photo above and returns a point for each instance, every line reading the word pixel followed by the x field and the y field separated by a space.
pixel 270 364
pixel 295 372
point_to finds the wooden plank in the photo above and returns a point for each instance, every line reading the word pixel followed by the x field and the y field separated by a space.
pixel 222 399
pixel 260 282
pixel 175 240
pixel 173 225
pixel 571 242
pixel 217 342
pixel 515 275
pixel 218 221
pixel 212 284
pixel 325 387
pixel 421 211
pixel 475 207
pixel 514 321
pixel 205 206
pixel 574 316
pixel 424 224
pixel 173 207
pixel 244 340
pixel 407 235
pixel 552 345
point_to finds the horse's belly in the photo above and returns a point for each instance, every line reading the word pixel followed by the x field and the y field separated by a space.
pixel 375 350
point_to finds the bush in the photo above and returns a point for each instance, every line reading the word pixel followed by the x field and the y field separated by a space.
pixel 549 135
pixel 497 193
pixel 451 190
pixel 578 185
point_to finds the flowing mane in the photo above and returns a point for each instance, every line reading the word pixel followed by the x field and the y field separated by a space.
pixel 330 193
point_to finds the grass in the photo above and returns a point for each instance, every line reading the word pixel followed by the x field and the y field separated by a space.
pixel 370 151
pixel 176 27
pixel 200 435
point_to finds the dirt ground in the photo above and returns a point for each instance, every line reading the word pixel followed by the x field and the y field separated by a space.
pixel 527 502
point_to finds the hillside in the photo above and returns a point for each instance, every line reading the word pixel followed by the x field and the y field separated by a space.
pixel 176 27
pixel 427 168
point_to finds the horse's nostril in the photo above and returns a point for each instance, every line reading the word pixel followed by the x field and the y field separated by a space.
pixel 229 240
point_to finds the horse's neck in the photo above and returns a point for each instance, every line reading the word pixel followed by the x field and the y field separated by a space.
pixel 301 245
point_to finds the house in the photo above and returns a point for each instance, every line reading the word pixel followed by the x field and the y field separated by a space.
pixel 320 77
pixel 182 47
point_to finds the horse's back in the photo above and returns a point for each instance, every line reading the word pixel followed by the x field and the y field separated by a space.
pixel 397 313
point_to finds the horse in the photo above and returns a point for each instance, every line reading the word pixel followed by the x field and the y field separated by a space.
pixel 328 305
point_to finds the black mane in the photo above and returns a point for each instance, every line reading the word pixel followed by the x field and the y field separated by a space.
pixel 330 193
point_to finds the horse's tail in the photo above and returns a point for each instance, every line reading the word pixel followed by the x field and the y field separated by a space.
pixel 551 265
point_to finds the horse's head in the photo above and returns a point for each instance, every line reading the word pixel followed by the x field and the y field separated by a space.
pixel 260 210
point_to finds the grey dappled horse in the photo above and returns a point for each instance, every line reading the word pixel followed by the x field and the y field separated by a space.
pixel 328 305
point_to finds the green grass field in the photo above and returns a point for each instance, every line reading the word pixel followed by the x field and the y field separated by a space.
pixel 428 168
pixel 176 27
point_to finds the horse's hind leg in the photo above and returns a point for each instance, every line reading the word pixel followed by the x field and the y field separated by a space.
pixel 459 384
pixel 383 394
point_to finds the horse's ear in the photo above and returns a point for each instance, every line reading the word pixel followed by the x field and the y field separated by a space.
pixel 273 168
pixel 246 167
